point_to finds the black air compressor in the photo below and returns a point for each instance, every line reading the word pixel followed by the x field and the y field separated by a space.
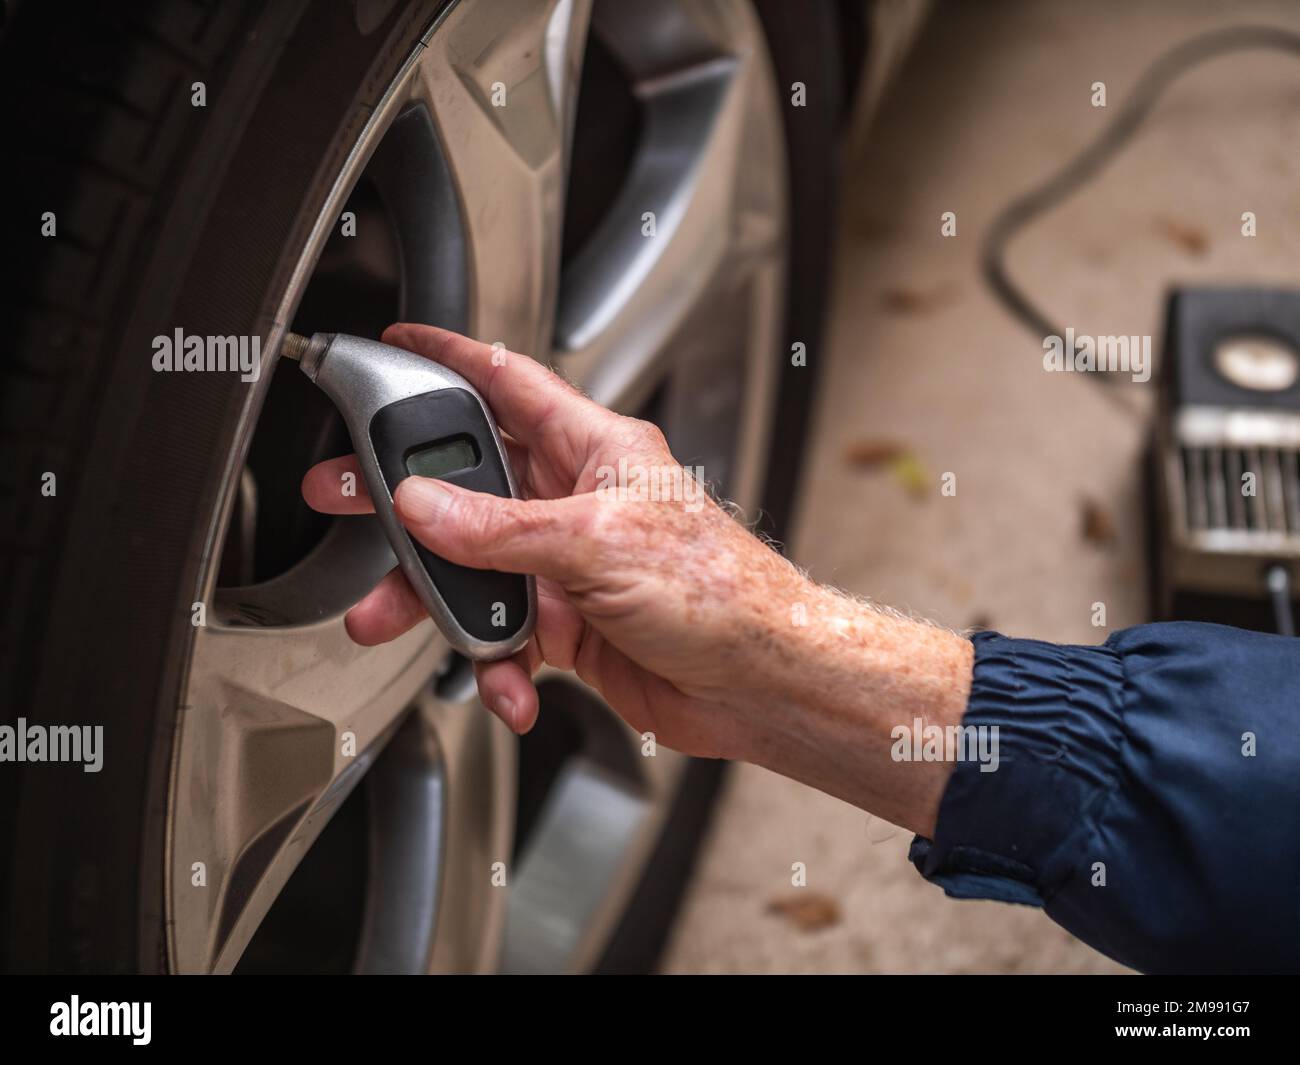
pixel 1225 460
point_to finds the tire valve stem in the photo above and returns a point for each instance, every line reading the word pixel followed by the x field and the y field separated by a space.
pixel 294 346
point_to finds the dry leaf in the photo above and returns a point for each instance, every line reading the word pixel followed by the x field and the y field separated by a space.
pixel 1098 527
pixel 911 473
pixel 807 911
pixel 867 454
pixel 904 299
pixel 1190 238
pixel 908 470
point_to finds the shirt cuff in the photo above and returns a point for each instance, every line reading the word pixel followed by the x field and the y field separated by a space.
pixel 1014 833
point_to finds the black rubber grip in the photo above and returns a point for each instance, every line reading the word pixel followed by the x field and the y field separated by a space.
pixel 411 425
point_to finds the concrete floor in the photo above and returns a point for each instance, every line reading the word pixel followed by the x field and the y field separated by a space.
pixel 919 355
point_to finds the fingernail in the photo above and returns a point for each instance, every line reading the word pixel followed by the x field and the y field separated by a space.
pixel 505 708
pixel 422 499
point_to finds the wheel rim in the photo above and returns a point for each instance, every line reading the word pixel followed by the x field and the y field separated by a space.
pixel 283 716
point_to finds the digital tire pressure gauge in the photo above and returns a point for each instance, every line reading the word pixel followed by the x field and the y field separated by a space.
pixel 409 416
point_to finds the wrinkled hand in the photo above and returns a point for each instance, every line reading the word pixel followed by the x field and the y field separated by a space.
pixel 668 607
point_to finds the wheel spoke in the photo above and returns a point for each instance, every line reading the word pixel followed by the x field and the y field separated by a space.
pixel 648 279
pixel 592 838
pixel 285 714
pixel 501 85
pixel 441 813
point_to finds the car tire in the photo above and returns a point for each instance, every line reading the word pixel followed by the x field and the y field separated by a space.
pixel 182 154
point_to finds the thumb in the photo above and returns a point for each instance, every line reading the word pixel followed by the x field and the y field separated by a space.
pixel 484 531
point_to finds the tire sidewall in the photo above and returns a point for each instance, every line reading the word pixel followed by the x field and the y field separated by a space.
pixel 282 113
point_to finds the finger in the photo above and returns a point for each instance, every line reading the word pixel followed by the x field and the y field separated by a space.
pixel 559 626
pixel 336 486
pixel 389 609
pixel 518 456
pixel 540 536
pixel 522 393
pixel 506 689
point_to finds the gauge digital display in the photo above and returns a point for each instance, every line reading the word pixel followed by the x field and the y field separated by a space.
pixel 443 458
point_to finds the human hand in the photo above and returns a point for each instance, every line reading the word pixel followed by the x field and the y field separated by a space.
pixel 687 624
pixel 658 603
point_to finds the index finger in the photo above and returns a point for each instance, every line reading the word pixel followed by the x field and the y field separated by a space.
pixel 523 394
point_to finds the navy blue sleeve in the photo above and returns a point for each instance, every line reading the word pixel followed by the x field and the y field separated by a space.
pixel 1147 795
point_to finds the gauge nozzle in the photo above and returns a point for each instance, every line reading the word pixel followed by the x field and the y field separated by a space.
pixel 306 352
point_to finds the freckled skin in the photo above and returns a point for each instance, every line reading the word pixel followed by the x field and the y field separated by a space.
pixel 681 618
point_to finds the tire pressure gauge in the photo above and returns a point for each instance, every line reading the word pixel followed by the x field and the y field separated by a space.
pixel 408 415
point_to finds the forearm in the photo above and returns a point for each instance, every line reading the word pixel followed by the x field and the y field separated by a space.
pixel 837 685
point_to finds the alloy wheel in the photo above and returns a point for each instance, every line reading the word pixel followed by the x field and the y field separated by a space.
pixel 334 806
